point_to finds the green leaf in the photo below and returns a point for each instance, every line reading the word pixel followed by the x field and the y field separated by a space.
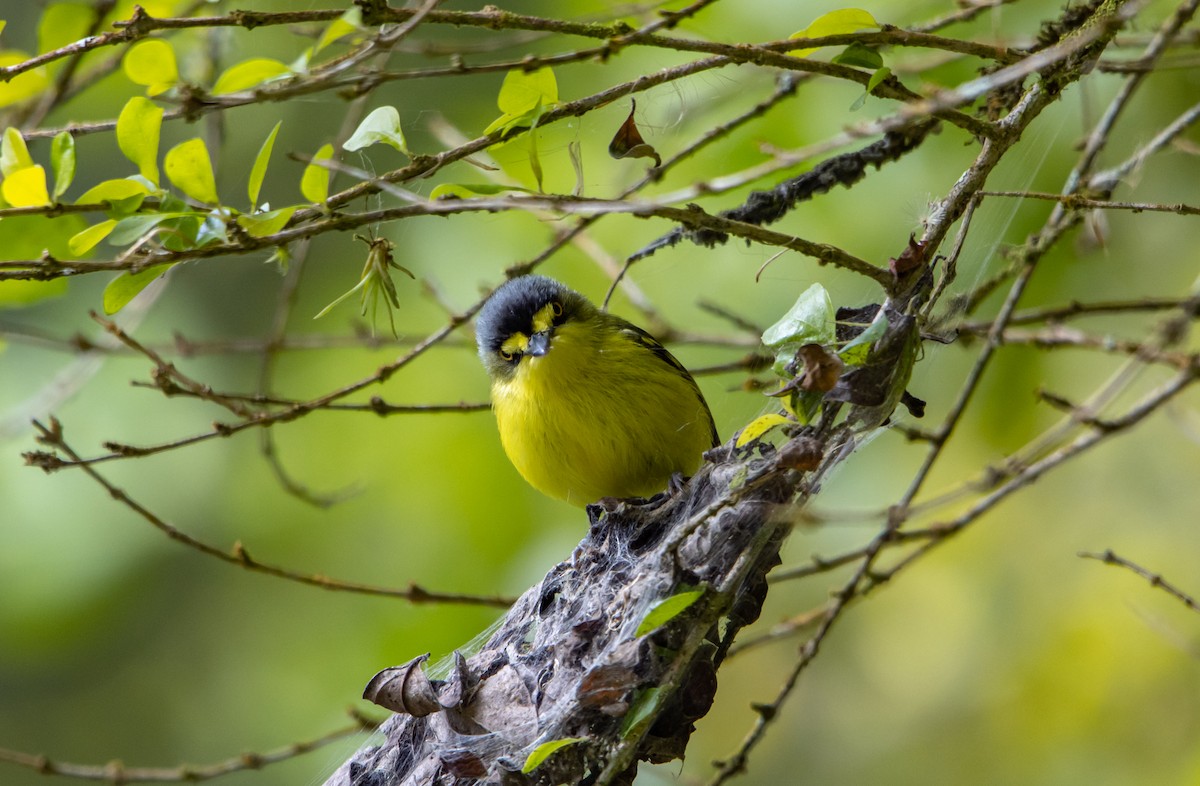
pixel 15 293
pixel 151 63
pixel 259 170
pixel 805 404
pixel 132 228
pixel 382 125
pixel 184 233
pixel 314 184
pixel 857 349
pixel 249 73
pixel 14 155
pixel 126 286
pixel 468 190
pixel 190 169
pixel 24 86
pixel 26 187
pixel 122 195
pixel 263 224
pixel 26 237
pixel 840 22
pixel 62 24
pixel 524 98
pixel 760 426
pixel 138 128
pixel 810 321
pixel 62 161
pixel 643 707
pixel 858 55
pixel 523 91
pixel 545 750
pixel 85 241
pixel 344 25
pixel 878 77
pixel 668 609
pixel 212 229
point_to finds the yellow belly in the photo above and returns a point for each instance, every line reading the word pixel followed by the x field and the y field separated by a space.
pixel 600 418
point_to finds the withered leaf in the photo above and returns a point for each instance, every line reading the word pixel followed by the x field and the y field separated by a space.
pixel 802 453
pixel 912 256
pixel 502 703
pixel 822 368
pixel 463 764
pixel 606 686
pixel 404 689
pixel 628 142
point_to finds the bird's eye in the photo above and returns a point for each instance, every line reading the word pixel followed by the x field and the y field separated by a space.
pixel 508 356
pixel 556 308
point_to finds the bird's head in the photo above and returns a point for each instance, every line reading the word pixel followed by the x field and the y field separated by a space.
pixel 519 322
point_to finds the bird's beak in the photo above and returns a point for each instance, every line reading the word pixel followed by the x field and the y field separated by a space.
pixel 539 344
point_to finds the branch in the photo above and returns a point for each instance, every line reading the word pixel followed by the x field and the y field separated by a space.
pixel 116 772
pixel 1155 579
pixel 52 437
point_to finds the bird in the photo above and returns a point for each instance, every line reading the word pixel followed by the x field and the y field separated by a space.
pixel 588 405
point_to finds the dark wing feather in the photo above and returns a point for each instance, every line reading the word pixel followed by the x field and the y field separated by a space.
pixel 644 339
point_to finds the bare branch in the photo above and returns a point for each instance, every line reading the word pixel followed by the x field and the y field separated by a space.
pixel 52 436
pixel 1108 557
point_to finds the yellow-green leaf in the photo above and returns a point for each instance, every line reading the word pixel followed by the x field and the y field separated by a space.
pixel 190 169
pixel 126 286
pixel 62 24
pixel 382 125
pixel 315 182
pixel 855 351
pixel 545 750
pixel 85 241
pixel 259 170
pixel 343 26
pixel 112 192
pixel 263 224
pixel 151 63
pixel 23 86
pixel 668 609
pixel 840 22
pixel 14 155
pixel 810 320
pixel 759 426
pixel 62 161
pixel 523 91
pixel 24 293
pixel 523 98
pixel 26 187
pixel 138 128
pixel 249 73
pixel 468 190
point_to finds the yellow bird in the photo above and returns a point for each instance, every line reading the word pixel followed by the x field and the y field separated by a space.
pixel 589 405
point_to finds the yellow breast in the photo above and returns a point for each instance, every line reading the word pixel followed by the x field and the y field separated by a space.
pixel 600 416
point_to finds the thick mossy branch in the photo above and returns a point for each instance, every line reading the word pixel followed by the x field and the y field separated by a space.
pixel 767 207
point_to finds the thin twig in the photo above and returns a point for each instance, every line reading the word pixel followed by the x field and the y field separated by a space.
pixel 116 772
pixel 1108 557
pixel 52 436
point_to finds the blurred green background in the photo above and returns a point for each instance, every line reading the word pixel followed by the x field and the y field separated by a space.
pixel 1002 658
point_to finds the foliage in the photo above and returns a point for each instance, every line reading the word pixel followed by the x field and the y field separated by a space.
pixel 185 144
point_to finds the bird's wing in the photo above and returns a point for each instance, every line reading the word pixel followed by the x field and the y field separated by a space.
pixel 644 339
